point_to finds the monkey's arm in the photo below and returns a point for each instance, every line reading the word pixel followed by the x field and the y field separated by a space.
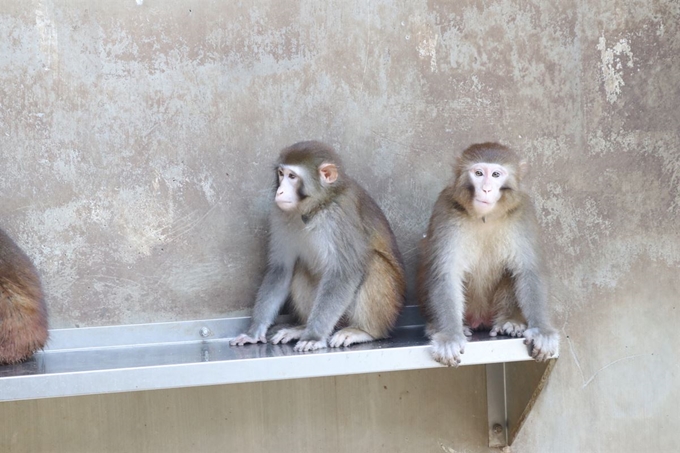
pixel 532 298
pixel 447 305
pixel 443 284
pixel 270 297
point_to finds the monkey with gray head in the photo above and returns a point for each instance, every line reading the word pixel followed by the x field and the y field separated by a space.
pixel 331 250
pixel 480 265
pixel 23 316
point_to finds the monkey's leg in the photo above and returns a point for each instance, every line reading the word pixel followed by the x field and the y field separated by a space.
pixel 377 303
pixel 303 288
pixel 334 296
pixel 508 319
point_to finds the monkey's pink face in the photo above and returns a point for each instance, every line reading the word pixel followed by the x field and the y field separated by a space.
pixel 488 180
pixel 287 194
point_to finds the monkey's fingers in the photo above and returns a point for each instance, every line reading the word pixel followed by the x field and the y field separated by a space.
pixel 287 334
pixel 246 339
pixel 310 345
pixel 544 346
pixel 448 352
pixel 348 336
pixel 510 328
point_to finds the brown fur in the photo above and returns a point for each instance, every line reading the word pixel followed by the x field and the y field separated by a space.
pixel 23 316
pixel 381 296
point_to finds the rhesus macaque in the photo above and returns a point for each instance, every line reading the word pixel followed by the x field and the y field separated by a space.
pixel 23 316
pixel 480 262
pixel 332 251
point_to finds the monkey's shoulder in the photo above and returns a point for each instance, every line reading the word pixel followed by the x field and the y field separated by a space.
pixel 447 205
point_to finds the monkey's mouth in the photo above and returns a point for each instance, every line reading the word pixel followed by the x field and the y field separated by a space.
pixel 483 202
pixel 285 205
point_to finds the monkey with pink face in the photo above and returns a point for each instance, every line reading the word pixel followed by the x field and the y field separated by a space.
pixel 480 262
pixel 331 250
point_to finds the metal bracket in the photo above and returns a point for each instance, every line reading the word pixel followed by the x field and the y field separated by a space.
pixel 511 392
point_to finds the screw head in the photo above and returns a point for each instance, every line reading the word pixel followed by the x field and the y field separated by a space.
pixel 497 428
pixel 205 332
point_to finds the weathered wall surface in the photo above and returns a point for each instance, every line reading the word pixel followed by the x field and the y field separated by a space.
pixel 137 139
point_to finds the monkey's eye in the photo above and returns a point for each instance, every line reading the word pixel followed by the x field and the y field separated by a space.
pixel 280 172
pixel 292 176
pixel 479 173
pixel 496 174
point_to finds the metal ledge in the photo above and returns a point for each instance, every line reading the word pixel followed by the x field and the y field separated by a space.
pixel 129 358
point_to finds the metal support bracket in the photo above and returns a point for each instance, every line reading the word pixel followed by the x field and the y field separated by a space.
pixel 511 392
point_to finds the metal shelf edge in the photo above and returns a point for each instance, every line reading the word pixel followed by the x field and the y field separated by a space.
pixel 318 364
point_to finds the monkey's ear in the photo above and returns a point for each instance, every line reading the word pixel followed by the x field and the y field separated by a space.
pixel 328 173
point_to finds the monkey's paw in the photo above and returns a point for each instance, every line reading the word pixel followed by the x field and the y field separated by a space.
pixel 447 349
pixel 545 344
pixel 287 334
pixel 310 345
pixel 348 336
pixel 510 328
pixel 245 339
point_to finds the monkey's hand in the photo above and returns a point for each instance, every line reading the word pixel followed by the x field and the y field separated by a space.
pixel 546 343
pixel 310 345
pixel 447 348
pixel 510 327
pixel 244 338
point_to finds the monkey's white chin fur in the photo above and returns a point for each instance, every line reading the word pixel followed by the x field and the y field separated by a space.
pixel 483 208
pixel 286 206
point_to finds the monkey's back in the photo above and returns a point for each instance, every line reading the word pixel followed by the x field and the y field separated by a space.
pixel 382 293
pixel 366 242
pixel 23 315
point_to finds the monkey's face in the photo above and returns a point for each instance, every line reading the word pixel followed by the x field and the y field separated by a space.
pixel 289 192
pixel 300 185
pixel 488 182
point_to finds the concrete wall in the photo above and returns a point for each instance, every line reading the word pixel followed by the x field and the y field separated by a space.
pixel 137 139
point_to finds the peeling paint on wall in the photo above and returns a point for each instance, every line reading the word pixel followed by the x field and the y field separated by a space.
pixel 612 66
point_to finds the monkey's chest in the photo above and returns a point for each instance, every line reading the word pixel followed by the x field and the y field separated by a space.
pixel 486 266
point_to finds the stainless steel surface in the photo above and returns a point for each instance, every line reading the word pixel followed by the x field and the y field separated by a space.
pixel 170 355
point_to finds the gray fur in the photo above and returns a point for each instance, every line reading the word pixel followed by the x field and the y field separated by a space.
pixel 486 270
pixel 320 254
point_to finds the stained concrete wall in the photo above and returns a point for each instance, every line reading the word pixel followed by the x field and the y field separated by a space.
pixel 136 142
